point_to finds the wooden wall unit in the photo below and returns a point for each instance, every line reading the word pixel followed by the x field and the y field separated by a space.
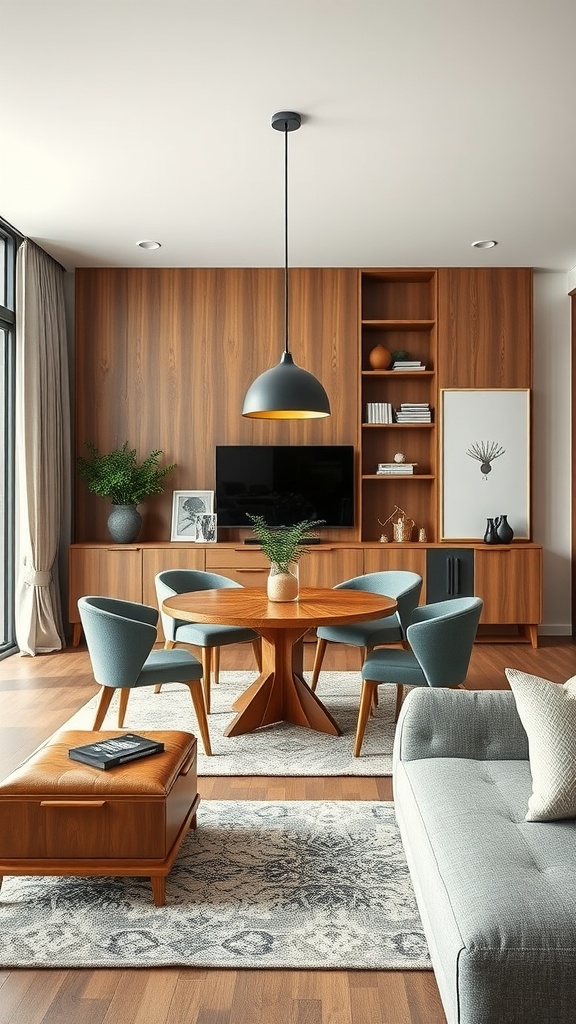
pixel 485 327
pixel 165 356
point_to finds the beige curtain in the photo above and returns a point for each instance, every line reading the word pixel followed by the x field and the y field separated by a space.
pixel 42 448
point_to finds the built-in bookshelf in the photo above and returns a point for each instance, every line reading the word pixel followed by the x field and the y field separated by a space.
pixel 398 311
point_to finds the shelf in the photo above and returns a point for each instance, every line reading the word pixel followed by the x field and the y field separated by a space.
pixel 399 426
pixel 398 476
pixel 403 374
pixel 399 325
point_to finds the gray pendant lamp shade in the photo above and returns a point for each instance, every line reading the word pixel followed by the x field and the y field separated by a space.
pixel 286 392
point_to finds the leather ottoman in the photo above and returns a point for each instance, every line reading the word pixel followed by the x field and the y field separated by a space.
pixel 60 817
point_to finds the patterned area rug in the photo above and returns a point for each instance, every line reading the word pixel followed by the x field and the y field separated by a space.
pixel 302 884
pixel 277 749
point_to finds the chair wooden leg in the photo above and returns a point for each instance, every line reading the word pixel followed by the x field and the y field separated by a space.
pixel 169 644
pixel 106 695
pixel 321 646
pixel 216 665
pixel 257 648
pixel 124 695
pixel 206 671
pixel 366 698
pixel 399 700
pixel 200 709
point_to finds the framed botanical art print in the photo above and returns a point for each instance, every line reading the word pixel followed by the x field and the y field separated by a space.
pixel 485 461
pixel 187 507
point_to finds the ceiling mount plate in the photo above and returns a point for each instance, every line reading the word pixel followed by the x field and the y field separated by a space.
pixel 286 121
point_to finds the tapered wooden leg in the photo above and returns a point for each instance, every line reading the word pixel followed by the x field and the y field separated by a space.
pixel 106 695
pixel 399 700
pixel 168 645
pixel 257 648
pixel 206 672
pixel 123 704
pixel 366 698
pixel 200 709
pixel 321 646
pixel 216 665
pixel 159 890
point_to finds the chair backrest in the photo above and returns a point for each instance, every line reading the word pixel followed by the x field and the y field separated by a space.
pixel 119 637
pixel 404 586
pixel 170 582
pixel 442 637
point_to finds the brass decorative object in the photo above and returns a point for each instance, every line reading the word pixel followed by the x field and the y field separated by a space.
pixel 401 527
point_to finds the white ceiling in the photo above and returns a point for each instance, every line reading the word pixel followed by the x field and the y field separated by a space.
pixel 427 124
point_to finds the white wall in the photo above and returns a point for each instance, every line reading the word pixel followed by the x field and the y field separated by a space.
pixel 552 494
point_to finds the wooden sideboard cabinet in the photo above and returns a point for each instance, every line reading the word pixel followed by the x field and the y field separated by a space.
pixel 507 577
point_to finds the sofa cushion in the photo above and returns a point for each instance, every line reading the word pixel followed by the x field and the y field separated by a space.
pixel 548 713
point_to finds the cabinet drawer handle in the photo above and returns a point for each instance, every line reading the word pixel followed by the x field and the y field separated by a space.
pixel 189 763
pixel 261 569
pixel 72 803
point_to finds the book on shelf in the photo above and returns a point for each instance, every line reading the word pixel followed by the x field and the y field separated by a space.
pixel 379 412
pixel 408 364
pixel 118 750
pixel 396 467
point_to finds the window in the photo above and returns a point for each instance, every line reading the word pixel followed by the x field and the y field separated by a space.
pixel 9 241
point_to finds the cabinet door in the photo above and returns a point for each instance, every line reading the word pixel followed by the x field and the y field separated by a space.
pixel 155 560
pixel 509 581
pixel 449 573
pixel 412 559
pixel 485 327
pixel 328 566
pixel 246 565
pixel 114 571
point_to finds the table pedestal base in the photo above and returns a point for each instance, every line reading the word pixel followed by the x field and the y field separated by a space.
pixel 281 694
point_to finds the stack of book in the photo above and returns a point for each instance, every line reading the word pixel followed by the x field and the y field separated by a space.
pixel 109 753
pixel 396 468
pixel 414 412
pixel 379 412
pixel 408 364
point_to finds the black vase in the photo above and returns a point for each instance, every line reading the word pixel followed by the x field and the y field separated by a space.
pixel 491 537
pixel 504 531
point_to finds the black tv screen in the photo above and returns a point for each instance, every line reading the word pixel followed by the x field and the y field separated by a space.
pixel 285 484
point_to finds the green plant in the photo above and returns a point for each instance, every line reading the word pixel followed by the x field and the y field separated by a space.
pixel 119 476
pixel 283 544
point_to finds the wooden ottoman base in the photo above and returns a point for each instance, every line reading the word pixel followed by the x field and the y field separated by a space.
pixel 60 817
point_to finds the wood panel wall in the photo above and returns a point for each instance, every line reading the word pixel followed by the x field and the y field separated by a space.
pixel 485 327
pixel 165 356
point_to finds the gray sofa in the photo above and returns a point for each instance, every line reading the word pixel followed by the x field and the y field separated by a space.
pixel 497 894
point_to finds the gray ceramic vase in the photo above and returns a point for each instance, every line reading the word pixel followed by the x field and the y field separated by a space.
pixel 124 523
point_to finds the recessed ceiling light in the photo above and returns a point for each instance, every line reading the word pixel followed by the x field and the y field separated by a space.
pixel 484 243
pixel 148 243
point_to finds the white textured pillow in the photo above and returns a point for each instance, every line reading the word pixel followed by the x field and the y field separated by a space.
pixel 548 713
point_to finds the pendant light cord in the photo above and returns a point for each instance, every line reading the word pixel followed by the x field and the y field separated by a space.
pixel 286 238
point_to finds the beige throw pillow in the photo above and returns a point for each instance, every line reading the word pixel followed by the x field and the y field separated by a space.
pixel 548 713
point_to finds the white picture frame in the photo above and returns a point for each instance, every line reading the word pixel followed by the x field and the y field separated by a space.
pixel 186 506
pixel 206 528
pixel 485 451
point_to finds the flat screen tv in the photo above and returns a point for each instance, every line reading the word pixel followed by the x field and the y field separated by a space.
pixel 285 484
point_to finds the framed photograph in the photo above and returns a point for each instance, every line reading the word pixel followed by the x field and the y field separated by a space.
pixel 187 506
pixel 206 531
pixel 485 449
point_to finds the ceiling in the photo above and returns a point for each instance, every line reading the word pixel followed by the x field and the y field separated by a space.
pixel 427 125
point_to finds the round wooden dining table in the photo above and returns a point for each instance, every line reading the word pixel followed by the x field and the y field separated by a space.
pixel 280 693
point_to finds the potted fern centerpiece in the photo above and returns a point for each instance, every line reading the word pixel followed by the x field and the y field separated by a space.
pixel 284 546
pixel 119 476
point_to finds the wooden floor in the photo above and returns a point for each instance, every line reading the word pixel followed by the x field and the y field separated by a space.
pixel 38 694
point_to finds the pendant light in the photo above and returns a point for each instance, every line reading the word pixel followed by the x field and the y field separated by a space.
pixel 286 392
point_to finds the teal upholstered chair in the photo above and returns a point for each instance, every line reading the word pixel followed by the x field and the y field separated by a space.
pixel 120 636
pixel 403 586
pixel 440 637
pixel 208 637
